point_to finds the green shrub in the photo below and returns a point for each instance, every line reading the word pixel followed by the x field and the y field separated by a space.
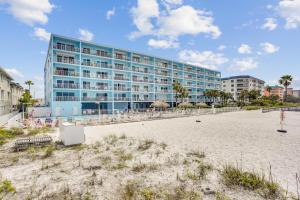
pixel 7 187
pixel 145 145
pixel 233 176
pixel 49 151
pixel 252 107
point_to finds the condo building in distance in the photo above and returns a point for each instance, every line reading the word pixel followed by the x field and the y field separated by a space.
pixel 235 84
pixel 83 78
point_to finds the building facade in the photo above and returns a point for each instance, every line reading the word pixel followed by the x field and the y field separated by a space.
pixel 296 93
pixel 10 93
pixel 277 90
pixel 235 84
pixel 82 78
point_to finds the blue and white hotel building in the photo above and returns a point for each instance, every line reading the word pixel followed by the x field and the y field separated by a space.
pixel 82 78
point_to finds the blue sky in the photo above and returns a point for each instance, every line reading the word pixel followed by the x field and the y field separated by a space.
pixel 258 37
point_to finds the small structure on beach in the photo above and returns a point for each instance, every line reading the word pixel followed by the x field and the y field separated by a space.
pixel 71 134
pixel 25 143
pixel 159 104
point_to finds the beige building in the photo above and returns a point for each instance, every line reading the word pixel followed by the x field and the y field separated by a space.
pixel 10 93
pixel 235 84
pixel 16 93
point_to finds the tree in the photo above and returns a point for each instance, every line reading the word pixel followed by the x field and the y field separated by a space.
pixel 29 83
pixel 225 96
pixel 26 99
pixel 243 95
pixel 213 94
pixel 177 87
pixel 253 94
pixel 184 93
pixel 285 80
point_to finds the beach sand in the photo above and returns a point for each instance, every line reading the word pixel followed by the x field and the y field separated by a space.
pixel 249 138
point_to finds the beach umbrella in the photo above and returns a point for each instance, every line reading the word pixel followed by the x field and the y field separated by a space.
pixel 159 104
pixel 202 105
pixel 185 105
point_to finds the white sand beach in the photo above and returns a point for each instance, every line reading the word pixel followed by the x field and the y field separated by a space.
pixel 247 137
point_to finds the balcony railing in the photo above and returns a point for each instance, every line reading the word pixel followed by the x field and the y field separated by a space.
pixel 97 53
pixel 95 64
pixel 142 80
pixel 99 98
pixel 142 99
pixel 142 70
pixel 66 98
pixel 121 89
pixel 73 62
pixel 121 98
pixel 66 85
pixel 87 75
pixel 66 73
pixel 119 78
pixel 72 48
pixel 162 82
pixel 87 87
pixel 121 57
pixel 164 91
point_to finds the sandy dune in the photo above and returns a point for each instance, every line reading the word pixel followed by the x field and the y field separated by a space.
pixel 247 137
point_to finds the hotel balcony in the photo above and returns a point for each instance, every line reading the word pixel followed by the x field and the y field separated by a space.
pixel 88 87
pixel 121 98
pixel 99 98
pixel 164 91
pixel 66 73
pixel 66 85
pixel 122 67
pixel 122 89
pixel 119 78
pixel 121 57
pixel 68 61
pixel 142 99
pixel 66 48
pixel 142 80
pixel 66 98
pixel 98 76
pixel 136 69
pixel 96 52
pixel 95 64
pixel 163 82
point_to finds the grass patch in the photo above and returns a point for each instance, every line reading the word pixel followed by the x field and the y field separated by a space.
pixel 111 139
pixel 6 134
pixel 221 196
pixel 234 176
pixel 145 145
pixel 180 192
pixel 49 151
pixel 6 186
pixel 197 154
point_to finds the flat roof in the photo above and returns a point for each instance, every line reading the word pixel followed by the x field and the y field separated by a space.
pixel 5 73
pixel 241 76
pixel 92 43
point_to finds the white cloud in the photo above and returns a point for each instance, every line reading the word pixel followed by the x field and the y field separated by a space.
pixel 290 11
pixel 86 35
pixel 42 34
pixel 110 13
pixel 270 24
pixel 29 11
pixel 171 22
pixel 269 48
pixel 206 59
pixel 187 20
pixel 163 44
pixel 14 73
pixel 244 49
pixel 244 64
pixel 142 15
pixel 221 47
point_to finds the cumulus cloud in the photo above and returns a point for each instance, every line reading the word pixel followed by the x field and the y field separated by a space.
pixel 86 35
pixel 244 64
pixel 163 44
pixel 16 74
pixel 270 24
pixel 171 22
pixel 41 34
pixel 269 48
pixel 290 11
pixel 29 12
pixel 207 59
pixel 110 14
pixel 142 15
pixel 244 49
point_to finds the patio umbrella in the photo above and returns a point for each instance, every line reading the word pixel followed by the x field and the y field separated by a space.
pixel 159 104
pixel 185 105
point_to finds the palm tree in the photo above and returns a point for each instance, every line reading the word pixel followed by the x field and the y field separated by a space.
pixel 29 83
pixel 184 93
pixel 213 94
pixel 253 94
pixel 177 87
pixel 285 80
